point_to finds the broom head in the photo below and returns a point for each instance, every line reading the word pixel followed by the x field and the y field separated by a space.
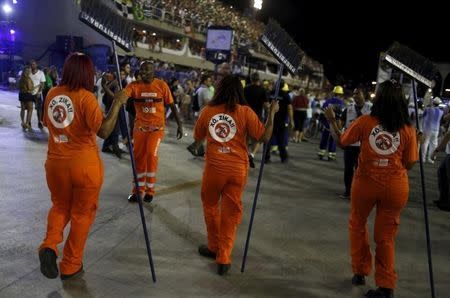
pixel 282 47
pixel 107 22
pixel 411 63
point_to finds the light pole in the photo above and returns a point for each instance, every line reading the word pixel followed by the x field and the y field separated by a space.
pixel 9 32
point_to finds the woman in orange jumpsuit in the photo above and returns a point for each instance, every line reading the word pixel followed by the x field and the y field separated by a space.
pixel 226 123
pixel 388 150
pixel 73 167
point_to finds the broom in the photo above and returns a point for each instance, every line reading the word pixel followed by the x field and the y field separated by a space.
pixel 105 21
pixel 289 55
pixel 424 71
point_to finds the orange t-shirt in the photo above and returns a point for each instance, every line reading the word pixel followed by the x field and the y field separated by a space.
pixel 382 153
pixel 226 134
pixel 73 119
pixel 149 102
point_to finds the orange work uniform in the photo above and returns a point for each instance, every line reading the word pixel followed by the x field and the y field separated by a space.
pixel 225 173
pixel 381 180
pixel 149 102
pixel 74 170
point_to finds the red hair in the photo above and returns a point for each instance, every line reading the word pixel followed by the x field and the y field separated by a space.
pixel 78 72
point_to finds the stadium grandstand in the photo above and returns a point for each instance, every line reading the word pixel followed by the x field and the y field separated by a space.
pixel 174 31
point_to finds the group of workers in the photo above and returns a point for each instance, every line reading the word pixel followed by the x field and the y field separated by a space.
pixel 386 141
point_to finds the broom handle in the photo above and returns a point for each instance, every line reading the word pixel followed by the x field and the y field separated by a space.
pixel 425 209
pixel 133 166
pixel 258 184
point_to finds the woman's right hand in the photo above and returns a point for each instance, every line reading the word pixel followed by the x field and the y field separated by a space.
pixel 274 107
pixel 121 97
pixel 329 114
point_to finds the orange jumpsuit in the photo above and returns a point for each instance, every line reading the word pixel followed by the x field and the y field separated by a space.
pixel 149 102
pixel 74 170
pixel 225 173
pixel 381 180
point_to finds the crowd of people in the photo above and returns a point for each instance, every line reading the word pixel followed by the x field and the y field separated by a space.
pixel 197 15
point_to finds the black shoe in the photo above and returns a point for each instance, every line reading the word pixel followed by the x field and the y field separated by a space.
pixel 358 280
pixel 73 275
pixel 267 161
pixel 203 250
pixel 47 257
pixel 107 150
pixel 344 196
pixel 443 206
pixel 117 151
pixel 148 198
pixel 380 293
pixel 192 150
pixel 40 125
pixel 223 268
pixel 132 198
pixel 251 162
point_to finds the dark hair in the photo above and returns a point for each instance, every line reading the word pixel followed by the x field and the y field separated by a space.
pixel 390 106
pixel 204 77
pixel 254 77
pixel 229 92
pixel 78 72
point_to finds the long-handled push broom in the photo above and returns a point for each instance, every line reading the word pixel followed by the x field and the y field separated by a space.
pixel 108 23
pixel 424 71
pixel 289 55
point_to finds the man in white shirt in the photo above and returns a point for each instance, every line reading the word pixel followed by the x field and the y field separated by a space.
pixel 357 108
pixel 444 170
pixel 204 92
pixel 38 78
pixel 430 128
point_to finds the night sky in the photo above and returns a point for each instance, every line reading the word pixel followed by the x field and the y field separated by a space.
pixel 347 36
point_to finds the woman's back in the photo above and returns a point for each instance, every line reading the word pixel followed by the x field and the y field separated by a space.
pixel 73 119
pixel 25 84
pixel 226 133
pixel 382 153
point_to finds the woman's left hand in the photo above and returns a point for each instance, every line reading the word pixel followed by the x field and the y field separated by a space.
pixel 420 137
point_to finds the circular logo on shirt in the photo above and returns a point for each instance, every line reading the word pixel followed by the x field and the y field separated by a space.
pixel 383 142
pixel 222 127
pixel 60 111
